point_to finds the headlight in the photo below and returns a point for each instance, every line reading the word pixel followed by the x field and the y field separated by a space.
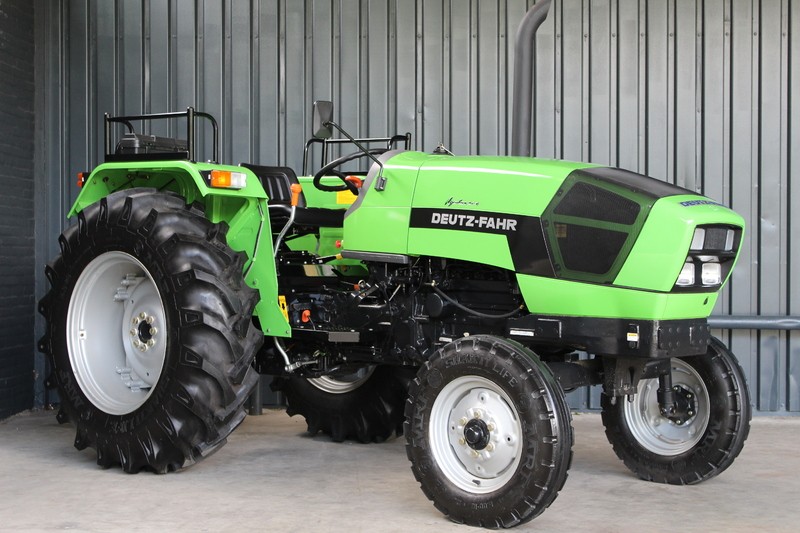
pixel 686 277
pixel 711 255
pixel 698 239
pixel 712 274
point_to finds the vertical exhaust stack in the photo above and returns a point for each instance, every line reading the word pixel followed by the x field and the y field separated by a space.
pixel 524 51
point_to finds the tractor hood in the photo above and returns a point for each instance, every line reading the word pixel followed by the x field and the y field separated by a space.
pixel 538 217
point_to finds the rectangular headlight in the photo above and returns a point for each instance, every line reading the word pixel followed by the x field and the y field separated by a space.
pixel 712 274
pixel 686 277
pixel 729 236
pixel 698 239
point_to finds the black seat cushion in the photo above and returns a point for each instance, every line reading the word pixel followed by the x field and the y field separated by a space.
pixel 277 182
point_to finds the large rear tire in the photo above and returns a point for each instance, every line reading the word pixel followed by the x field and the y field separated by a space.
pixel 684 452
pixel 488 432
pixel 149 332
pixel 366 405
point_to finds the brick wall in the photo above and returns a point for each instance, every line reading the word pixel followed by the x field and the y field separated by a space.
pixel 17 302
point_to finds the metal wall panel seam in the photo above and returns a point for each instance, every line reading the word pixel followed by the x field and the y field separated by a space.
pixel 502 80
pixel 613 88
pixel 699 129
pixel 643 93
pixel 743 300
pixel 793 222
pixel 419 66
pixel 255 79
pixel 724 304
pixel 784 230
pixel 770 204
pixel 474 82
pixel 586 82
pixel 557 12
pixel 447 109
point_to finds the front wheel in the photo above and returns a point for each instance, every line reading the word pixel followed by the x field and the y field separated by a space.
pixel 682 452
pixel 488 432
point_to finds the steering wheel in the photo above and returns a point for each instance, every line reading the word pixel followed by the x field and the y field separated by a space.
pixel 329 170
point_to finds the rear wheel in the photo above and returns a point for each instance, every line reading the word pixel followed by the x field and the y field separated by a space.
pixel 149 332
pixel 365 405
pixel 488 432
pixel 681 451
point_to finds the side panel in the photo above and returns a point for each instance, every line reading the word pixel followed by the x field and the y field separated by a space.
pixel 379 221
pixel 485 209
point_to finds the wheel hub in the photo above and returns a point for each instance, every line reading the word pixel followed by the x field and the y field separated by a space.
pixel 143 331
pixel 477 434
pixel 684 407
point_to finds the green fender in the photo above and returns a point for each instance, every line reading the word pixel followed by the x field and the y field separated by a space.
pixel 244 210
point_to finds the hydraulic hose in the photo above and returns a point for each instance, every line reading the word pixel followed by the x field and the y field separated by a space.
pixel 472 311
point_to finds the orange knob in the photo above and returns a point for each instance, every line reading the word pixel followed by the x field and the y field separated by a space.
pixel 296 190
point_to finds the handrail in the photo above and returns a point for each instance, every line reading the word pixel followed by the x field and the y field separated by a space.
pixel 190 115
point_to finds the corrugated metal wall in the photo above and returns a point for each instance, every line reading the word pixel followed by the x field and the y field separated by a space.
pixel 695 92
pixel 16 206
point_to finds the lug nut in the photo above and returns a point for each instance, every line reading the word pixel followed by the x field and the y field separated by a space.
pixel 142 315
pixel 133 333
pixel 475 454
pixel 462 441
pixel 463 421
pixel 150 319
pixel 477 414
pixel 136 321
pixel 153 331
pixel 490 427
pixel 151 343
pixel 490 447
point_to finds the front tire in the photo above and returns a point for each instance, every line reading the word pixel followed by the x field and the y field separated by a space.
pixel 488 432
pixel 658 449
pixel 149 332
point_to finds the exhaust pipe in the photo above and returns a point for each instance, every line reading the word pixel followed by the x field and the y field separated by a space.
pixel 524 51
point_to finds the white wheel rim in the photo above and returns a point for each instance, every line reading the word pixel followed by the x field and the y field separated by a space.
pixel 463 402
pixel 657 433
pixel 342 384
pixel 116 333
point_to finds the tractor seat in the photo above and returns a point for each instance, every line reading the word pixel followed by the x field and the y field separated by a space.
pixel 277 182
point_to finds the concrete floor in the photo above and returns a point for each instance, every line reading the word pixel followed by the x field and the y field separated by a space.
pixel 272 477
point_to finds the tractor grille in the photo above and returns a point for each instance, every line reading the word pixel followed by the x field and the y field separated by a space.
pixel 587 201
pixel 587 249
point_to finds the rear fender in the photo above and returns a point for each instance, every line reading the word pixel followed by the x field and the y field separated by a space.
pixel 243 210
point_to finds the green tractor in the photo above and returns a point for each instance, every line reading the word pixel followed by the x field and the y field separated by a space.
pixel 450 299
